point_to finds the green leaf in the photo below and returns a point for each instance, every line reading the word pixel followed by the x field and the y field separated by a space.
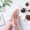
pixel 0 6
pixel 4 1
pixel 4 5
pixel 9 1
pixel 7 4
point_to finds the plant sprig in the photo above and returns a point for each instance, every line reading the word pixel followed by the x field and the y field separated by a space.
pixel 6 2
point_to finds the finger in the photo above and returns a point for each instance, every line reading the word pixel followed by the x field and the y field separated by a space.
pixel 15 18
pixel 15 14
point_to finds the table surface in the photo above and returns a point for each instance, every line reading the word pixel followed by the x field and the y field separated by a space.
pixel 9 11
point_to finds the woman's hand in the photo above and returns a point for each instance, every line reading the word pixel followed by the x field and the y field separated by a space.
pixel 13 25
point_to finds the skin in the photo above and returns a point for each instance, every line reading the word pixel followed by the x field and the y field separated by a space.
pixel 14 21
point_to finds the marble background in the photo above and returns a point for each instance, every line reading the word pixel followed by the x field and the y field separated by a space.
pixel 9 11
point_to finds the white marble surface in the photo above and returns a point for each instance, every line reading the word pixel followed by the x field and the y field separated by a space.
pixel 7 15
